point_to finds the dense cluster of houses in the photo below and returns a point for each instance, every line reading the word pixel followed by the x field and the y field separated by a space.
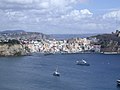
pixel 37 42
pixel 76 45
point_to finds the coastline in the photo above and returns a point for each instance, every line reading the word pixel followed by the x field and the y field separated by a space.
pixel 47 46
pixel 109 53
pixel 47 54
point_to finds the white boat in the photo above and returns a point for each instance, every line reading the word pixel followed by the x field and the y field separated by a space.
pixel 118 82
pixel 56 73
pixel 82 62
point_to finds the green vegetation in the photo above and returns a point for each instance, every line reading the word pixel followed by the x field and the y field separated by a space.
pixel 13 41
pixel 10 42
pixel 109 42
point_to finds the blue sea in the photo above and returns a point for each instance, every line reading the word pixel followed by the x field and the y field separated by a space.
pixel 69 36
pixel 35 72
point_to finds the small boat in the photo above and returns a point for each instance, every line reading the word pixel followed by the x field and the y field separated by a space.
pixel 82 63
pixel 56 73
pixel 118 82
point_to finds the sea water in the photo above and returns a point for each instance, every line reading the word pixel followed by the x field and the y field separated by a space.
pixel 35 72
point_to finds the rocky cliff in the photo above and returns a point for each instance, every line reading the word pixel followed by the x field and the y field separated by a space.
pixel 13 50
pixel 109 42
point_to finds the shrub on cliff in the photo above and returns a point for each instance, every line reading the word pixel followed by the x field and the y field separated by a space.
pixel 13 41
pixel 108 42
pixel 10 42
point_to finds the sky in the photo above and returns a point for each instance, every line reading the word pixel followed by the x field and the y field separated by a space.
pixel 60 16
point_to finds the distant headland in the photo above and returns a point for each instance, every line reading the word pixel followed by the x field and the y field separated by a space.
pixel 20 42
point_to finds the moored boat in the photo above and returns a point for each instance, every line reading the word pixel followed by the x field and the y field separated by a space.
pixel 82 63
pixel 56 73
pixel 118 82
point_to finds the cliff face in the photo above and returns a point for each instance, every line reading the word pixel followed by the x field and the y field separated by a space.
pixel 13 50
pixel 109 42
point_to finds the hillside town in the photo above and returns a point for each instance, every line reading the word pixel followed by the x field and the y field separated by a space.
pixel 31 42
pixel 76 45
pixel 103 43
pixel 24 43
pixel 37 42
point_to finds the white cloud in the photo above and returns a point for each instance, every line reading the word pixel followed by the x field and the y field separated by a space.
pixel 58 3
pixel 86 12
pixel 112 15
pixel 16 16
pixel 53 16
pixel 37 3
pixel 19 1
pixel 44 5
pixel 78 14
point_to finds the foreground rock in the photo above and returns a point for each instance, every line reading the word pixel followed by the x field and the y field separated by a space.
pixel 13 50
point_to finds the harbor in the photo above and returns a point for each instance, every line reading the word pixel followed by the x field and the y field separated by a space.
pixel 36 72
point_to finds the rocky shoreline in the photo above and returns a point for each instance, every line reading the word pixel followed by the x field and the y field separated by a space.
pixel 25 50
pixel 76 45
pixel 13 50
